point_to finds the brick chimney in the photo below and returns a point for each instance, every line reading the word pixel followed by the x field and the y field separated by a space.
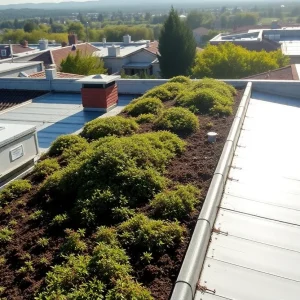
pixel 24 44
pixel 64 44
pixel 99 92
pixel 72 38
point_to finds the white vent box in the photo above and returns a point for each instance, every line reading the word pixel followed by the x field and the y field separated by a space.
pixel 18 149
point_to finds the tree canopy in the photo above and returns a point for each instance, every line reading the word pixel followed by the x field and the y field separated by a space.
pixel 82 64
pixel 177 47
pixel 231 61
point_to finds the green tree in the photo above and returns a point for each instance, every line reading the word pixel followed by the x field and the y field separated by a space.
pixel 82 64
pixel 77 28
pixel 194 19
pixel 29 26
pixel 231 61
pixel 177 47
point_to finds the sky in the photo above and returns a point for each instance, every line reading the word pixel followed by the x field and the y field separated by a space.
pixel 3 2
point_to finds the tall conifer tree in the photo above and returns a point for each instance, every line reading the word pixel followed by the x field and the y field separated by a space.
pixel 177 47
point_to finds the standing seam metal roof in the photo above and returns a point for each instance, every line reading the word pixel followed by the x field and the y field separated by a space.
pixel 255 247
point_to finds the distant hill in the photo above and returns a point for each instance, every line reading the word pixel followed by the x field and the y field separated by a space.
pixel 71 5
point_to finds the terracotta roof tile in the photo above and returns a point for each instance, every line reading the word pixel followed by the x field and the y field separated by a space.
pixel 55 56
pixel 62 53
pixel 153 47
pixel 20 49
pixel 10 98
pixel 285 73
pixel 59 75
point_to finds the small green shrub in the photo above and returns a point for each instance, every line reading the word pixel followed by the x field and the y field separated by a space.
pixel 175 88
pixel 178 119
pixel 146 257
pixel 109 262
pixel 27 268
pixel 75 152
pixel 12 223
pixel 73 241
pixel 118 126
pixel 121 214
pixel 64 142
pixel 138 184
pixel 14 190
pixel 218 86
pixel 45 168
pixel 59 220
pixel 209 125
pixel 107 235
pixel 94 205
pixel 63 184
pixel 71 280
pixel 145 118
pixel 43 242
pixel 2 290
pixel 2 260
pixel 128 289
pixel 130 166
pixel 159 92
pixel 177 203
pixel 6 235
pixel 181 79
pixel 44 261
pixel 37 215
pixel 145 106
pixel 146 235
pixel 206 101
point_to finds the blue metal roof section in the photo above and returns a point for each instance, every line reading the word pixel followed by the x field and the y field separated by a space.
pixel 56 114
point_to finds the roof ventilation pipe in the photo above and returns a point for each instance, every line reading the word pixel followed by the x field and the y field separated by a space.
pixel 43 44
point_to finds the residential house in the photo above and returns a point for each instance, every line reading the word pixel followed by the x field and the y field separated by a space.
pixel 6 50
pixel 199 33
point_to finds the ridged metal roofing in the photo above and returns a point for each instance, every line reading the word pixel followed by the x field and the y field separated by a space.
pixel 255 247
pixel 56 114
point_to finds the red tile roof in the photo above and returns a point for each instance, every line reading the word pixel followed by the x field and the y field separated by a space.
pixel 62 53
pixel 285 73
pixel 153 47
pixel 55 56
pixel 59 75
pixel 20 49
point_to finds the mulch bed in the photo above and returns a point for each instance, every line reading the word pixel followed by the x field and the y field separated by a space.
pixel 196 165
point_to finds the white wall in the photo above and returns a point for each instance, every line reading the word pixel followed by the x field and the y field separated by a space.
pixel 115 64
pixel 142 57
pixel 28 70
pixel 156 70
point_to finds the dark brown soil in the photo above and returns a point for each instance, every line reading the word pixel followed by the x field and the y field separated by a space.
pixel 196 165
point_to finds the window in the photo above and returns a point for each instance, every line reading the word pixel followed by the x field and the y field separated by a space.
pixel 3 52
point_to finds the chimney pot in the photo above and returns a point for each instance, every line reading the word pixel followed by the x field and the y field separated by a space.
pixel 72 39
pixel 127 39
